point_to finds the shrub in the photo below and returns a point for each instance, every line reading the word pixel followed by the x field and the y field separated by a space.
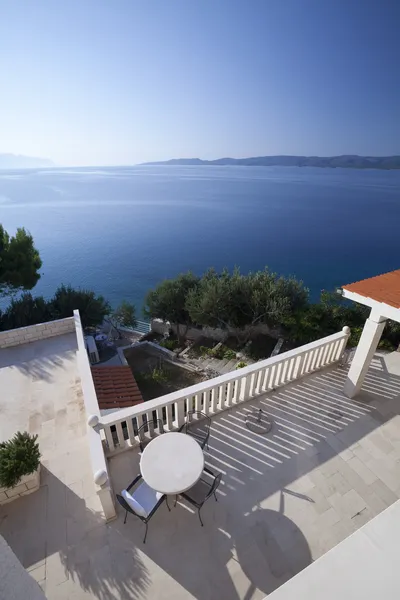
pixel 169 344
pixel 156 375
pixel 159 375
pixel 18 457
pixel 204 351
pixel 241 364
pixel 229 354
pixel 386 345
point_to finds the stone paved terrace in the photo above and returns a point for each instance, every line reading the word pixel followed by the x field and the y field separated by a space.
pixel 327 467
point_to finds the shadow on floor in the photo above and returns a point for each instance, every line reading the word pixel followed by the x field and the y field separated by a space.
pixel 67 546
pixel 39 359
pixel 286 498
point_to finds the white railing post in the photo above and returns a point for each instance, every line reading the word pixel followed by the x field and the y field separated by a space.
pixel 105 495
pixel 180 412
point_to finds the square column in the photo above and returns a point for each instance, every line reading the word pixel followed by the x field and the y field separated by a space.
pixel 366 348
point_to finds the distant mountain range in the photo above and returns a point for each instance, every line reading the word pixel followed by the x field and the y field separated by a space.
pixel 16 161
pixel 345 161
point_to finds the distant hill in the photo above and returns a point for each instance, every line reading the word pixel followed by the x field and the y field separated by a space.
pixel 345 161
pixel 16 161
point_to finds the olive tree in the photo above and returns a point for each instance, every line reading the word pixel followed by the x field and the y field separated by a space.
pixel 168 300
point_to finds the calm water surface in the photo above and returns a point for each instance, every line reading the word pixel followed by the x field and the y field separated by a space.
pixel 121 230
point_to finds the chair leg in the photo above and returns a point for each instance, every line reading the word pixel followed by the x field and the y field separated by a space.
pixel 145 535
pixel 126 516
pixel 166 500
pixel 176 500
pixel 202 524
pixel 215 496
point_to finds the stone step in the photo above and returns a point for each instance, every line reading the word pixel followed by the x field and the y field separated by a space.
pixel 230 366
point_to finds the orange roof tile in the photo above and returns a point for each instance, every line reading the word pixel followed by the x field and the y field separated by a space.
pixel 115 387
pixel 382 288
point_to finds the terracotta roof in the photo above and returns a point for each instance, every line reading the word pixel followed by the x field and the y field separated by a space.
pixel 115 387
pixel 382 288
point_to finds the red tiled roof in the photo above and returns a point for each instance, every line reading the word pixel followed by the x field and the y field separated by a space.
pixel 382 288
pixel 115 387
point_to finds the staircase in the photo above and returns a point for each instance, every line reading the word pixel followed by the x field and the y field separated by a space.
pixel 220 366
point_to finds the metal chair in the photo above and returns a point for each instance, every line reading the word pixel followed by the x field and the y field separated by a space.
pixel 202 491
pixel 149 426
pixel 142 503
pixel 197 425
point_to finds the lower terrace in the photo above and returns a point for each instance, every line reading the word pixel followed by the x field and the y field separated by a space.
pixel 328 466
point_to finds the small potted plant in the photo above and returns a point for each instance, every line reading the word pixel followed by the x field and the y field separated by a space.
pixel 19 466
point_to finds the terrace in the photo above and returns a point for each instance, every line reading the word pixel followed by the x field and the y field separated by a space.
pixel 328 466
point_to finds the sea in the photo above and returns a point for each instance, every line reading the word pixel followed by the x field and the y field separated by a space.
pixel 122 230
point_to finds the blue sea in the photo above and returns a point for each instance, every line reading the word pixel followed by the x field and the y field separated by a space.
pixel 122 230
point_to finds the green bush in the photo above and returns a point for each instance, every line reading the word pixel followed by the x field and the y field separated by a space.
pixel 204 351
pixel 229 354
pixel 386 345
pixel 157 375
pixel 218 352
pixel 169 344
pixel 18 457
pixel 241 364
pixel 355 336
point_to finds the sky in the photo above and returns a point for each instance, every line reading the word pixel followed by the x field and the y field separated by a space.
pixel 114 82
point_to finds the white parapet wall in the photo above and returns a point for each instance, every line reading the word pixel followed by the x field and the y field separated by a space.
pixel 97 457
pixel 33 333
pixel 15 581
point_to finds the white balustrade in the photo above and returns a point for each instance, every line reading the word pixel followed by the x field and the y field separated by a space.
pixel 220 393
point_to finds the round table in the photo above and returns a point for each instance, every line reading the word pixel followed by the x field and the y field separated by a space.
pixel 101 337
pixel 172 463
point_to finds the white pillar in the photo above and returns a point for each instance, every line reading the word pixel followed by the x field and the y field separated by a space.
pixel 366 348
pixel 105 494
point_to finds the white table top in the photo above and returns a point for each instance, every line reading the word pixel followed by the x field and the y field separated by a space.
pixel 172 463
pixel 100 337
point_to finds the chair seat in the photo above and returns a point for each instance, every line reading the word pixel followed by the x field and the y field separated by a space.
pixel 147 497
pixel 198 435
pixel 198 492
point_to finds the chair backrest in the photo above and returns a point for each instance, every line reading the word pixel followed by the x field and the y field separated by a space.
pixel 193 416
pixel 214 487
pixel 150 426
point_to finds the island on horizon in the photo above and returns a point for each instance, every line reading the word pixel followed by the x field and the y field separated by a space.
pixel 346 161
pixel 18 161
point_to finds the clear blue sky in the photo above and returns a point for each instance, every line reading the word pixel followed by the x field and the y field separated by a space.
pixel 96 82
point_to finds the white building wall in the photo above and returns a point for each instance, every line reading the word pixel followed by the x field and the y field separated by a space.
pixel 365 566
pixel 15 582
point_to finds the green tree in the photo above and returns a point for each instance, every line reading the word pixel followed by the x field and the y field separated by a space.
pixel 25 310
pixel 124 315
pixel 92 308
pixel 19 262
pixel 237 301
pixel 328 316
pixel 168 300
